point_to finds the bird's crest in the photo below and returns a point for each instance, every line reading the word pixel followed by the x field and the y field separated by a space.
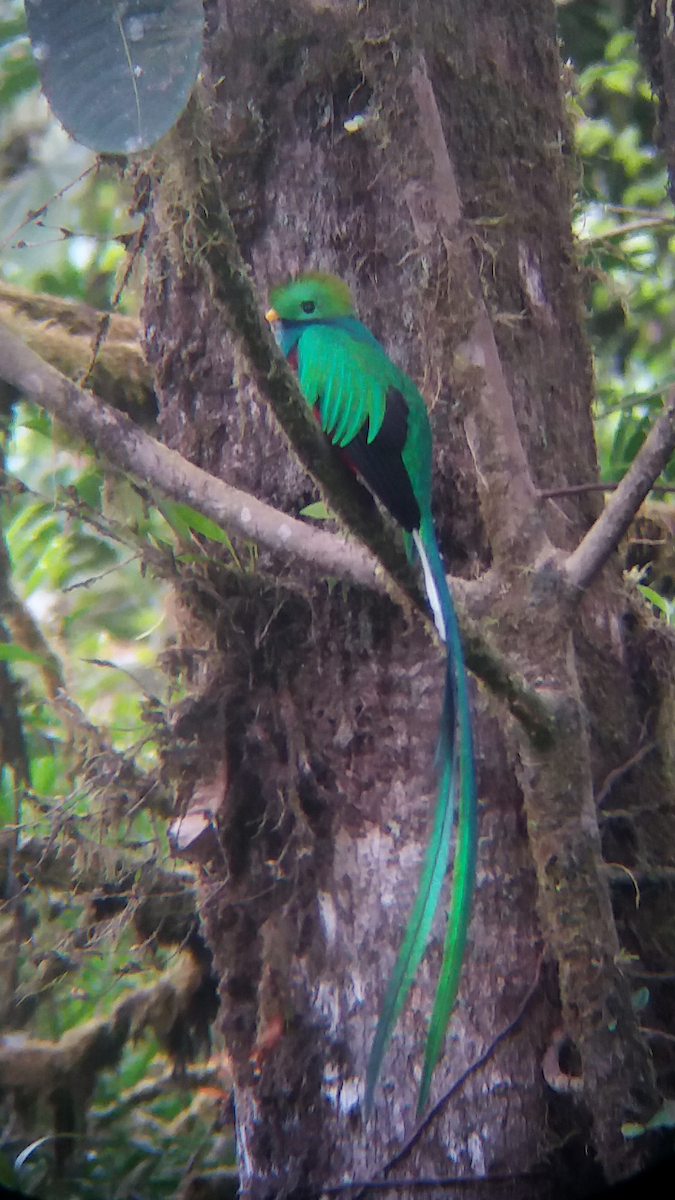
pixel 314 295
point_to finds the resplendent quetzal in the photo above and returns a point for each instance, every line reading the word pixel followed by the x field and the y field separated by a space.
pixel 373 412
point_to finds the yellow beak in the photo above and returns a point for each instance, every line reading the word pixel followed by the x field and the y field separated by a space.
pixel 271 315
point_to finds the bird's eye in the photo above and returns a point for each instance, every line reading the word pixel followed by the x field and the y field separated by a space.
pixel 308 306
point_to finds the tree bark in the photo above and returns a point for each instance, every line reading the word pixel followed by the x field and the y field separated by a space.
pixel 448 209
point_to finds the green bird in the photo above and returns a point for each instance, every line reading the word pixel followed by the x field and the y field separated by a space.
pixel 374 414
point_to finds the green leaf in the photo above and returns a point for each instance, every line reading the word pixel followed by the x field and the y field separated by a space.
pixel 11 653
pixel 185 520
pixel 17 71
pixel 89 486
pixel 632 1130
pixel 202 524
pixel 39 424
pixel 43 774
pixel 116 75
pixel 317 511
pixel 656 599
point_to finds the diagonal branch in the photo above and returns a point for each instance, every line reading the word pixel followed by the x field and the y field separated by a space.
pixel 63 332
pixel 126 446
pixel 594 549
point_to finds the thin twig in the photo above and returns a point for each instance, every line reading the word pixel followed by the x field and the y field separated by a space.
pixel 152 1089
pixel 440 1104
pixel 83 583
pixel 618 772
pixel 583 564
pixel 636 212
pixel 575 489
pixel 657 1033
pixel 133 250
pixel 579 489
pixel 627 227
pixel 617 866
pixel 656 976
pixel 32 214
pixel 617 874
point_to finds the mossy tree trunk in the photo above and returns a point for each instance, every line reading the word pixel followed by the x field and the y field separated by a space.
pixel 314 706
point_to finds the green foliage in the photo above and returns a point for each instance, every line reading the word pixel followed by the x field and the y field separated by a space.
pixel 18 73
pixel 63 221
pixel 11 653
pixel 661 603
pixel 184 521
pixel 142 1153
pixel 80 570
pixel 625 227
pixel 76 539
pixel 316 511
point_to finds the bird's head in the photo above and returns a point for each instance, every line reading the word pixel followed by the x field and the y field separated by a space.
pixel 315 296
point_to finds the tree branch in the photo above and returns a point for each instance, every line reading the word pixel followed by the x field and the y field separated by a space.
pixel 73 864
pixel 75 318
pixel 64 333
pixel 526 703
pixel 581 567
pixel 579 489
pixel 151 1089
pixel 73 1063
pixel 12 741
pixel 126 446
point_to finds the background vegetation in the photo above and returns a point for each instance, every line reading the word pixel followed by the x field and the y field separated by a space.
pixel 85 710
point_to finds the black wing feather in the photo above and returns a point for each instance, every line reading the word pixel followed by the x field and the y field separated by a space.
pixel 381 466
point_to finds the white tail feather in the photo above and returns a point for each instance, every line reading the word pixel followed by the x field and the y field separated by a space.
pixel 430 585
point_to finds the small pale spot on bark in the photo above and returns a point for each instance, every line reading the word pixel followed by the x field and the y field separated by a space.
pixel 34 385
pixel 328 917
pixel 350 1095
pixel 470 353
pixel 533 283
pixel 474 1146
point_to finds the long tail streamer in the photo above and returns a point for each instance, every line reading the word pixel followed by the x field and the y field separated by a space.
pixel 456 781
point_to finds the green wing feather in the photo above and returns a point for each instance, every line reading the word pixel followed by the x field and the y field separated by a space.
pixel 346 378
